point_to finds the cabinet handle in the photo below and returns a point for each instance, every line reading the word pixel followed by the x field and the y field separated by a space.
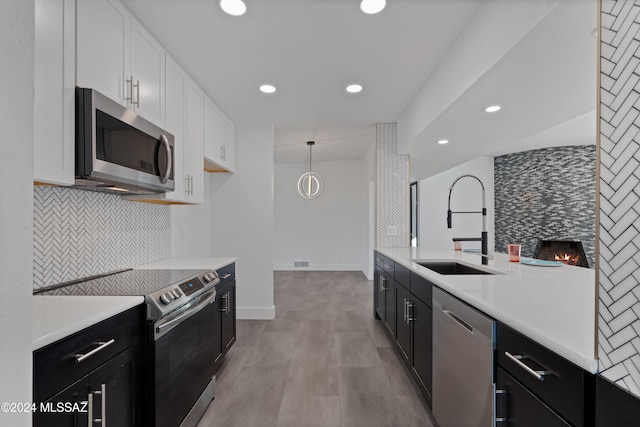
pixel 226 302
pixel 517 359
pixel 225 276
pixel 137 86
pixel 103 398
pixel 90 410
pixel 102 345
pixel 504 393
pixel 191 184
pixel 409 315
pixel 103 401
pixel 130 97
pixel 405 309
pixel 224 306
pixel 388 267
pixel 382 281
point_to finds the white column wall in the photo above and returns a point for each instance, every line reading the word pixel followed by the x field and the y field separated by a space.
pixel 16 205
pixel 241 220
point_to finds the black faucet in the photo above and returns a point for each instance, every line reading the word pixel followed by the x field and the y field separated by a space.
pixel 484 236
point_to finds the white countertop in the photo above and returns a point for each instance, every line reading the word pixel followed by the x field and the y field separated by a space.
pixel 56 317
pixel 554 306
pixel 213 263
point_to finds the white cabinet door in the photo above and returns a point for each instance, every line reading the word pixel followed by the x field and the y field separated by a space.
pixel 176 109
pixel 147 71
pixel 117 57
pixel 219 137
pixel 54 92
pixel 195 141
pixel 103 48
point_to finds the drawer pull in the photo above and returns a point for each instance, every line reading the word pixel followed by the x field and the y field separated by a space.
pixel 388 267
pixel 225 276
pixel 102 346
pixel 517 359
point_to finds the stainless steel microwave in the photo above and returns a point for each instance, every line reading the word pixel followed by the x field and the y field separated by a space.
pixel 117 151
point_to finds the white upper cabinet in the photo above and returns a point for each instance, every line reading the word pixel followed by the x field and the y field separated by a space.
pixel 54 92
pixel 194 147
pixel 147 68
pixel 119 58
pixel 219 139
pixel 103 48
pixel 184 111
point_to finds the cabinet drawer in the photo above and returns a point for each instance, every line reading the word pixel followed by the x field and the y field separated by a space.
pixel 402 275
pixel 55 366
pixel 380 259
pixel 520 407
pixel 385 264
pixel 227 274
pixel 562 387
pixel 421 288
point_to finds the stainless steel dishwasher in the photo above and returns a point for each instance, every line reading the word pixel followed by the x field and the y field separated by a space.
pixel 463 343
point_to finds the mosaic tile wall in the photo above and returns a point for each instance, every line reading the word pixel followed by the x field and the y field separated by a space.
pixel 80 233
pixel 392 190
pixel 619 228
pixel 546 194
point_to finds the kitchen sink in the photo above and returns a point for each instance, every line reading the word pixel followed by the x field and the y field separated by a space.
pixel 450 267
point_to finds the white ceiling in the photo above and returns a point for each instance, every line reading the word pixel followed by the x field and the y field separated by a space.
pixel 311 49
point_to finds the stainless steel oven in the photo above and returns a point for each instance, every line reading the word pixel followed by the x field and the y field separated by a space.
pixel 183 363
pixel 182 321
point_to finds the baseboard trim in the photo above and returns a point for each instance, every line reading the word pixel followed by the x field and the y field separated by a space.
pixel 256 313
pixel 318 267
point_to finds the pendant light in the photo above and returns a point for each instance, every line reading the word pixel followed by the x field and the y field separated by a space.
pixel 310 184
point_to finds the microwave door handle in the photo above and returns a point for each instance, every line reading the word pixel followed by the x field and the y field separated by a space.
pixel 164 178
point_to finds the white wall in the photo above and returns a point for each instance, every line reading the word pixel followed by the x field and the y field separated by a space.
pixel 433 194
pixel 368 226
pixel 326 231
pixel 191 227
pixel 241 220
pixel 16 204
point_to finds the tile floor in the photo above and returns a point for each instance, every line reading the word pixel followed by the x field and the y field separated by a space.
pixel 323 361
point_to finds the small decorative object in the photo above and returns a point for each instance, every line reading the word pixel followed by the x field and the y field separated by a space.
pixel 310 184
pixel 514 252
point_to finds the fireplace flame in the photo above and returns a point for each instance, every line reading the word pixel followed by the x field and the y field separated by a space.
pixel 569 259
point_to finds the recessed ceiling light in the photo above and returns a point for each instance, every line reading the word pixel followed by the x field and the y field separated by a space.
pixel 354 88
pixel 371 7
pixel 443 141
pixel 267 88
pixel 492 108
pixel 233 7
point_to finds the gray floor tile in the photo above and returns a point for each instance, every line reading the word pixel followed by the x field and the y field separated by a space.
pixel 254 400
pixel 313 371
pixel 356 349
pixel 323 361
pixel 309 411
pixel 274 349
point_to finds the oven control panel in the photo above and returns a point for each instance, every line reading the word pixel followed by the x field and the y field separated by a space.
pixel 191 286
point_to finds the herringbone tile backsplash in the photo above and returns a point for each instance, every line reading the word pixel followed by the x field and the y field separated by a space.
pixel 619 257
pixel 81 233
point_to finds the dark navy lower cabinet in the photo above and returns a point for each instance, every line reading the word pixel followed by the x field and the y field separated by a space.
pixel 615 407
pixel 537 387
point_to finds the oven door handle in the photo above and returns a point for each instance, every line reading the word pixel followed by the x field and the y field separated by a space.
pixel 165 326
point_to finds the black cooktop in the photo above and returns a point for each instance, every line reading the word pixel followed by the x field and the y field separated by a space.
pixel 125 283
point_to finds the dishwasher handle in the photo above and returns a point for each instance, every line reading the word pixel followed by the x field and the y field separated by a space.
pixel 458 320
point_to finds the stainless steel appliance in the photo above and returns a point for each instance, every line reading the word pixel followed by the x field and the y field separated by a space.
pixel 181 321
pixel 463 346
pixel 118 151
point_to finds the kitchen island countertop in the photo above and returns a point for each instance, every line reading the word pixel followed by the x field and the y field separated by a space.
pixel 554 306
